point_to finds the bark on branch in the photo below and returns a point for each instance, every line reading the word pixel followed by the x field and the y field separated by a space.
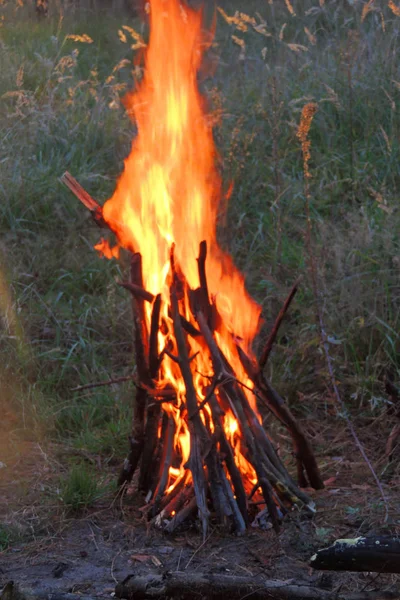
pixel 378 554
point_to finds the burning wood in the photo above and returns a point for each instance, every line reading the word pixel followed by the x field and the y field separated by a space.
pixel 197 438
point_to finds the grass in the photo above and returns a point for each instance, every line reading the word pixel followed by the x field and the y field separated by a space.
pixel 80 488
pixel 6 536
pixel 65 322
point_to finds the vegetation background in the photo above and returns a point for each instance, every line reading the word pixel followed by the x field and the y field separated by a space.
pixel 64 322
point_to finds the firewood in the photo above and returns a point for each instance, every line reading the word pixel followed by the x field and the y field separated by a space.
pixel 198 434
pixel 136 291
pixel 137 437
pixel 302 448
pixel 380 554
pixel 214 480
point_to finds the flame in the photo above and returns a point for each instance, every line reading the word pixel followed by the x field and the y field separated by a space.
pixel 168 194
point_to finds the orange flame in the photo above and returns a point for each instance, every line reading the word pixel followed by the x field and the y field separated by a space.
pixel 169 193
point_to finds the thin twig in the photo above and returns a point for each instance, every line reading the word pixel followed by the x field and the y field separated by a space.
pixel 89 386
pixel 274 331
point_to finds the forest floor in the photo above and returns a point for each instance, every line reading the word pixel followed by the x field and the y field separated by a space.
pixel 89 552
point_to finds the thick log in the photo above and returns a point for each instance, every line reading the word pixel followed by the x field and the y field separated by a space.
pixel 378 554
pixel 186 586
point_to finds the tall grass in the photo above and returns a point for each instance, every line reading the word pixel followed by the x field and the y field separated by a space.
pixel 66 323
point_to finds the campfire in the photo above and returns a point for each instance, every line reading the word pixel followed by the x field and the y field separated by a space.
pixel 197 442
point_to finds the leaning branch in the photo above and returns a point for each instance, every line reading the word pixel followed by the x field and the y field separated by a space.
pixel 86 199
pixel 274 331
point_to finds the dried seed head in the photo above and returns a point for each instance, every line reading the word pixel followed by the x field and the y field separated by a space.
pixel 307 115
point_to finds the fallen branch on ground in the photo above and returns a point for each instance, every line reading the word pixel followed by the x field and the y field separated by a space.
pixel 183 585
pixel 377 554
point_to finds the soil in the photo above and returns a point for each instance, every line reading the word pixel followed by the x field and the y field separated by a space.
pixel 89 553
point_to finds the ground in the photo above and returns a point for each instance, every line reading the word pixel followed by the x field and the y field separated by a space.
pixel 89 552
pixel 65 323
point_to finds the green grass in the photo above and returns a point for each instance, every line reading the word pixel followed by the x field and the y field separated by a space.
pixel 6 536
pixel 65 322
pixel 79 490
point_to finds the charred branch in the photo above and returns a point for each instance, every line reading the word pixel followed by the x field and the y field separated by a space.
pixel 302 448
pixel 380 554
pixel 137 439
pixel 154 359
pixel 137 291
pixel 203 296
pixel 198 433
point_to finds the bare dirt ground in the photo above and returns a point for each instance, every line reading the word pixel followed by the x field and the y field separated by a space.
pixel 90 553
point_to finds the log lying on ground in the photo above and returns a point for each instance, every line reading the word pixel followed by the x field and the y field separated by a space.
pixel 377 554
pixel 186 586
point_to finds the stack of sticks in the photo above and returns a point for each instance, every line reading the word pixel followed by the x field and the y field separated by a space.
pixel 213 484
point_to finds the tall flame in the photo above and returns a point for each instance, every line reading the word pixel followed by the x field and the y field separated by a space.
pixel 169 193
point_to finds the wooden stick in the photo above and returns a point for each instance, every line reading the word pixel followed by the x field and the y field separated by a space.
pixel 82 195
pixel 229 459
pixel 165 464
pixel 137 437
pixel 181 516
pixel 154 359
pixel 271 398
pixel 238 410
pixel 137 291
pixel 274 331
pixel 205 305
pixel 148 472
pixel 181 493
pixel 88 386
pixel 198 433
pixel 139 319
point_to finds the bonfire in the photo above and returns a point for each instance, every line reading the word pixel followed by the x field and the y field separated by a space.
pixel 197 442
